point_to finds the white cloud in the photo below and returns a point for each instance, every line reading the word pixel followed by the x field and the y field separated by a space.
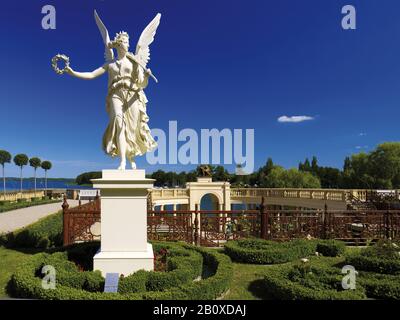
pixel 294 119
pixel 362 147
pixel 362 134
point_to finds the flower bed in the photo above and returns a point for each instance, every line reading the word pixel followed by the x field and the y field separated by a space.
pixel 184 264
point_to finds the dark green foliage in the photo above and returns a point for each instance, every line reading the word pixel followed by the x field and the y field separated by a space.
pixel 46 165
pixel 331 248
pixel 72 284
pixel 383 257
pixel 260 251
pixel 380 286
pixel 85 178
pixel 21 160
pixel 182 266
pixel 5 157
pixel 309 281
pixel 45 233
pixel 22 203
pixel 35 162
pixel 133 283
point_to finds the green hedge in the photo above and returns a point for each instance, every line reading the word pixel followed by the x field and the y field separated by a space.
pixel 45 233
pixel 182 266
pixel 330 248
pixel 260 251
pixel 384 257
pixel 26 281
pixel 22 203
pixel 310 281
pixel 380 286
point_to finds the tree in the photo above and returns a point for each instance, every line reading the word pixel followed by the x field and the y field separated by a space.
pixel 5 157
pixel 35 163
pixel 384 165
pixel 314 165
pixel 292 178
pixel 220 174
pixel 21 160
pixel 46 165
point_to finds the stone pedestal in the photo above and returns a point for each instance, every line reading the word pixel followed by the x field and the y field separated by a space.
pixel 124 248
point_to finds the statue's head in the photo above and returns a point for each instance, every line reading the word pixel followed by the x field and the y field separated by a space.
pixel 121 41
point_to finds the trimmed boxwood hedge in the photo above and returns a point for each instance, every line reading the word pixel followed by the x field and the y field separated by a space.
pixel 311 281
pixel 260 251
pixel 379 269
pixel 23 203
pixel 182 266
pixel 330 248
pixel 384 257
pixel 26 281
pixel 380 286
pixel 43 234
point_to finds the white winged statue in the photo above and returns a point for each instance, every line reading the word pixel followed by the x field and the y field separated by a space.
pixel 128 134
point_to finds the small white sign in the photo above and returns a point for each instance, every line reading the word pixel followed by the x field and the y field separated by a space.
pixel 88 193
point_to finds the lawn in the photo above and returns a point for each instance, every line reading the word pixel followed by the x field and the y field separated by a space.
pixel 246 283
pixel 9 260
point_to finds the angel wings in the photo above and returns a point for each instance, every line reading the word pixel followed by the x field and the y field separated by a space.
pixel 142 54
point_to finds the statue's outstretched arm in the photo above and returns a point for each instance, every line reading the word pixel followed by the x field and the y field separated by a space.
pixel 87 75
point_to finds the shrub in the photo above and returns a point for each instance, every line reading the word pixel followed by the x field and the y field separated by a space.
pixel 4 202
pixel 26 282
pixel 260 251
pixel 331 248
pixel 380 286
pixel 311 281
pixel 45 233
pixel 384 257
pixel 21 200
pixel 133 283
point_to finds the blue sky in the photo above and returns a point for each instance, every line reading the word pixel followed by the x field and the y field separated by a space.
pixel 221 64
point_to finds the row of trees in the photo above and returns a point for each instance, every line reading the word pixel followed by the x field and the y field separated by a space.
pixel 379 169
pixel 22 160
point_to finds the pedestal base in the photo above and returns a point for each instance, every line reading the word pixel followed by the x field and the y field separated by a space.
pixel 125 263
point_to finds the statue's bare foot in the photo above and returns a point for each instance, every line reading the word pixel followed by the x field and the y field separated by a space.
pixel 122 166
pixel 133 164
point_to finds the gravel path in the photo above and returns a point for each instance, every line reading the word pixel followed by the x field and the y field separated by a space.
pixel 15 219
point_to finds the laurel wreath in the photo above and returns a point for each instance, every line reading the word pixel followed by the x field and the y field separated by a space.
pixel 54 63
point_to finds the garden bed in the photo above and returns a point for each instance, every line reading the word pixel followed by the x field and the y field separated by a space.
pixel 9 206
pixel 258 251
pixel 184 264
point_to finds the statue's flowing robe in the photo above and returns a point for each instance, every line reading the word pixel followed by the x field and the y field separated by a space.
pixel 127 87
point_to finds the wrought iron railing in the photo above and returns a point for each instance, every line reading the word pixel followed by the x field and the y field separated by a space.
pixel 214 228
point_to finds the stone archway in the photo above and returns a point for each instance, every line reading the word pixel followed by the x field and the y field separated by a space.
pixel 210 201
pixel 205 185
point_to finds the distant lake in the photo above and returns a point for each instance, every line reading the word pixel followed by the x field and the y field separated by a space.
pixel 29 184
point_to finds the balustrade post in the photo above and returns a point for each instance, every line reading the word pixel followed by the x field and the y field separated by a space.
pixel 387 224
pixel 264 219
pixel 196 226
pixel 66 224
pixel 325 222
